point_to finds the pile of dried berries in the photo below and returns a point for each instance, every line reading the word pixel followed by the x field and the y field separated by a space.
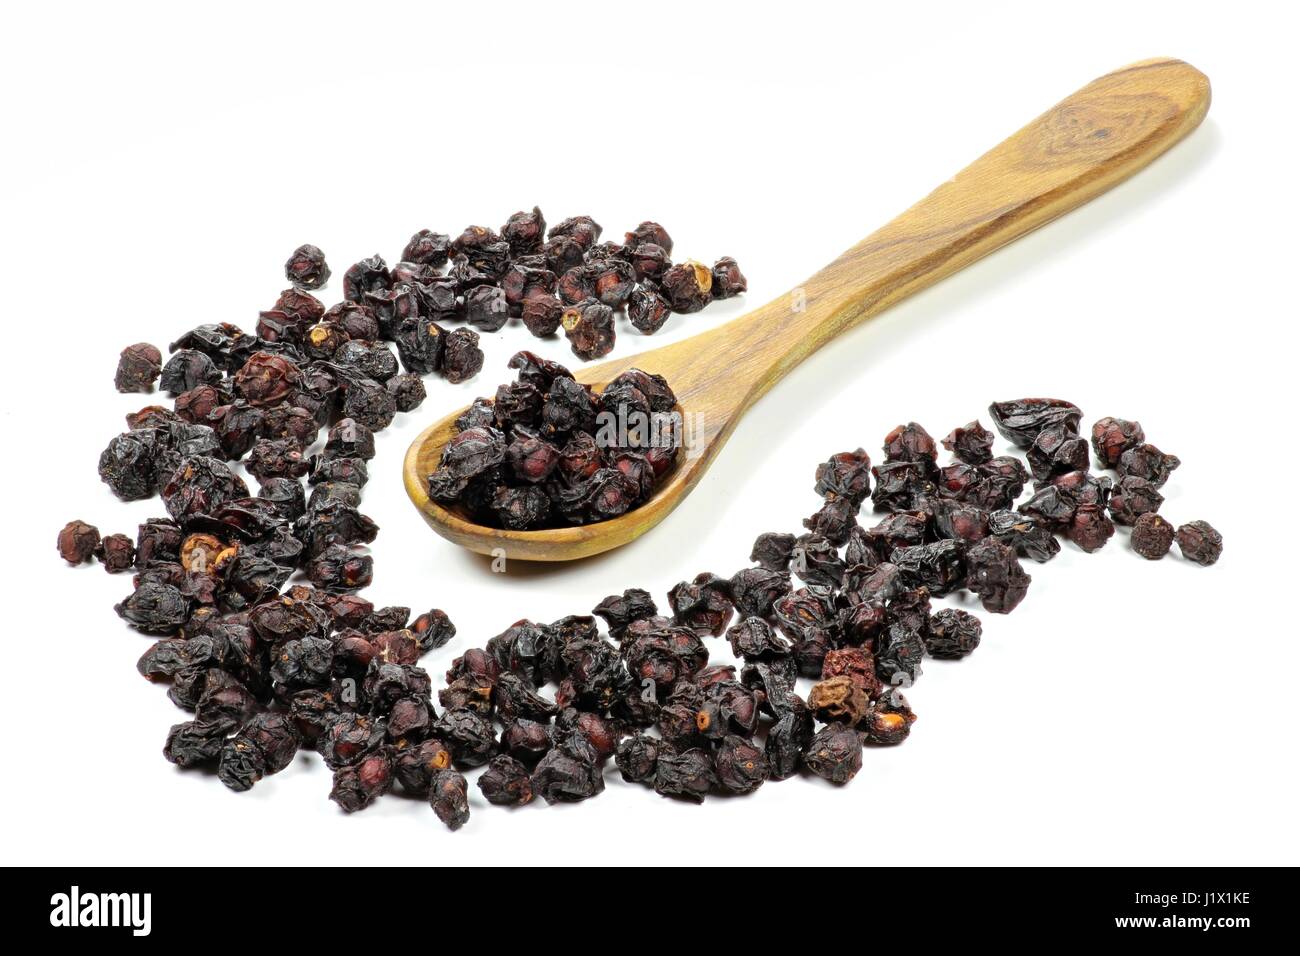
pixel 547 451
pixel 267 673
pixel 561 278
pixel 267 667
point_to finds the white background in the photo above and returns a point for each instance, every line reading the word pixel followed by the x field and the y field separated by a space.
pixel 162 162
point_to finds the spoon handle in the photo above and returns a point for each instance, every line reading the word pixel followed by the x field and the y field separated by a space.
pixel 1078 149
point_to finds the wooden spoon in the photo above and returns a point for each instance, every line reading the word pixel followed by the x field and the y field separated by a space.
pixel 1081 147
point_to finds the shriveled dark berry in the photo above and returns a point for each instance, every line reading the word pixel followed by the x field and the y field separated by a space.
pixel 1111 437
pixel 589 327
pixel 1030 537
pixel 486 308
pixel 307 268
pixel 890 721
pixel 1149 462
pixel 649 232
pixel 728 280
pixel 449 797
pixel 952 633
pixel 117 553
pixel 612 282
pixel 583 230
pixel 838 699
pixel 835 753
pixel 462 358
pixel 541 313
pixel 1131 498
pixel 371 359
pixel 994 573
pixel 688 286
pixel 78 541
pixel 1021 420
pixel 740 764
pixel 649 261
pixel 366 276
pixel 1152 536
pixel 415 765
pixel 898 655
pixel 620 610
pixel 686 774
pixel 266 379
pixel 788 740
pixel 506 782
pixel 1056 450
pixel 525 231
pixel 138 368
pixel 427 248
pixel 648 310
pixel 637 758
pixel 910 442
pixel 408 391
pixel 1090 527
pixel 939 567
pixel 1199 542
pixel 569 772
pixel 772 550
pixel 971 443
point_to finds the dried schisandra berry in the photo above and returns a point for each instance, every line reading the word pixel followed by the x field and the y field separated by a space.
pixel 994 573
pixel 506 782
pixel 686 774
pixel 649 261
pixel 890 721
pixel 1152 536
pixel 1028 536
pixel 728 280
pixel 486 308
pixel 461 358
pixel 1020 421
pixel 78 541
pixel 1148 462
pixel 1090 527
pixel 772 550
pixel 187 369
pixel 138 368
pixel 835 753
pixel 117 553
pixel 306 268
pixel 648 310
pixel 569 772
pixel 650 232
pixel 1111 437
pixel 367 276
pixel 688 286
pixel 358 785
pixel 589 327
pixel 427 248
pixel 449 797
pixel 953 633
pixel 266 379
pixel 971 443
pixel 1199 542
pixel 408 391
pixel 838 699
pixel 584 230
pixel 1131 498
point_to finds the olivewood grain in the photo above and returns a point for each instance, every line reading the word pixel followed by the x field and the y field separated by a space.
pixel 1077 150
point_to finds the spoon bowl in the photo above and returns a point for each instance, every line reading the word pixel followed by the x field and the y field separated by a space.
pixel 1083 146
